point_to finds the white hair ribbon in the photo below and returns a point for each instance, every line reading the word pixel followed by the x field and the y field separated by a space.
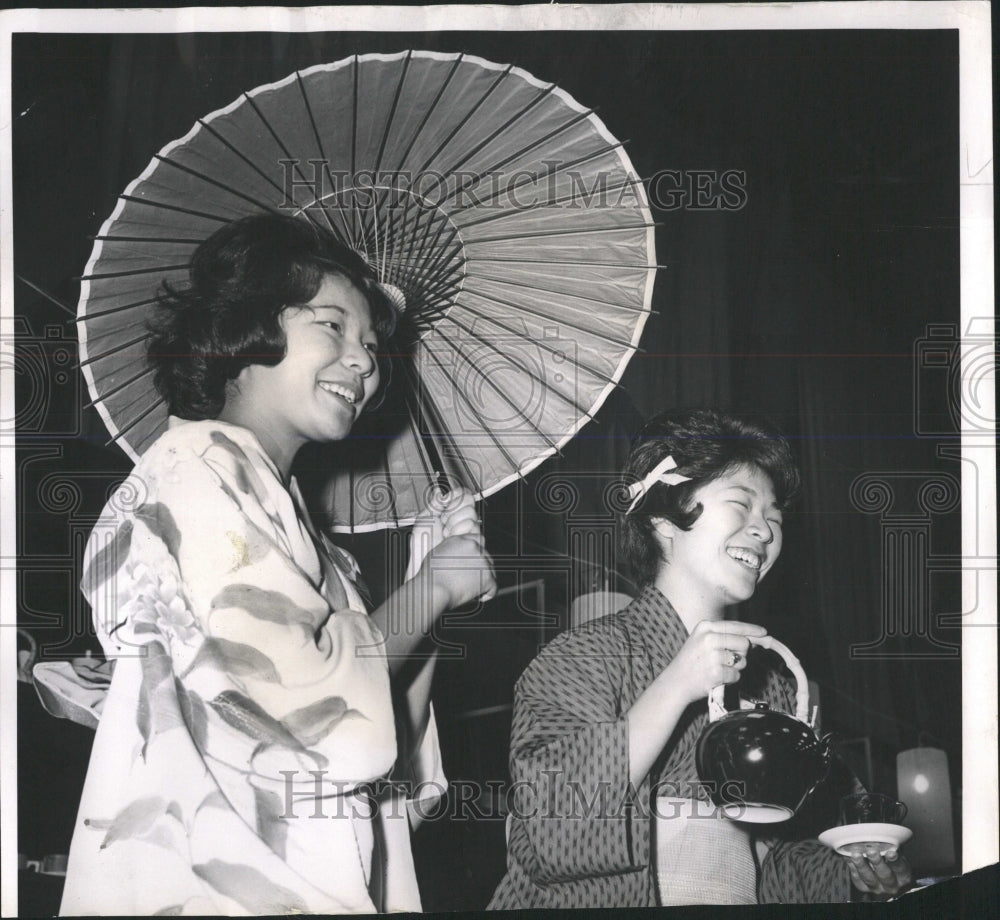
pixel 659 473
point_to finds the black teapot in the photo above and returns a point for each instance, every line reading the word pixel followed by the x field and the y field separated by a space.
pixel 760 765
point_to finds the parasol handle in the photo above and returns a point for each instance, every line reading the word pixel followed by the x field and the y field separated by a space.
pixel 717 708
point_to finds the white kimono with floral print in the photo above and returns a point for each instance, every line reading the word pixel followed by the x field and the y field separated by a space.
pixel 250 701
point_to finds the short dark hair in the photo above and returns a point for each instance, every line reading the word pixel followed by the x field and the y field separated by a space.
pixel 706 445
pixel 227 317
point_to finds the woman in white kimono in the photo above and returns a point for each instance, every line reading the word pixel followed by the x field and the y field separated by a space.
pixel 249 721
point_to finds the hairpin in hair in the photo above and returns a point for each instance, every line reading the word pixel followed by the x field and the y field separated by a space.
pixel 659 473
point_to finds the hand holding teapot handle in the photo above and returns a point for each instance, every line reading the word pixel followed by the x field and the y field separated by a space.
pixel 714 653
pixel 717 708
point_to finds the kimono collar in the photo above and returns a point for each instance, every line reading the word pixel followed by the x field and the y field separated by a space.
pixel 662 628
pixel 242 436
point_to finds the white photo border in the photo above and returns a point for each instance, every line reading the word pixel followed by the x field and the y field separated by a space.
pixel 971 18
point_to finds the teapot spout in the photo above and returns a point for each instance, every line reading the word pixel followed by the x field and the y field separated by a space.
pixel 826 749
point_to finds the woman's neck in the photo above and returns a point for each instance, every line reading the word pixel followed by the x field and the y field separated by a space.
pixel 690 606
pixel 281 451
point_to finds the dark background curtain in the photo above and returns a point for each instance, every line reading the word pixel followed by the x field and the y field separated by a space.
pixel 808 302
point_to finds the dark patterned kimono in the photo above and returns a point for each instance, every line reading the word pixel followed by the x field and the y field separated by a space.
pixel 579 835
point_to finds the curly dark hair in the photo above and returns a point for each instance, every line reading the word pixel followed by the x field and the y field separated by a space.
pixel 241 279
pixel 706 445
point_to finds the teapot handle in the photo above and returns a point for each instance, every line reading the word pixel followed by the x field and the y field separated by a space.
pixel 717 708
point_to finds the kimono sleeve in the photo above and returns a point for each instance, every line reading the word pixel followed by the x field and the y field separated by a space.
pixel 269 678
pixel 804 872
pixel 569 764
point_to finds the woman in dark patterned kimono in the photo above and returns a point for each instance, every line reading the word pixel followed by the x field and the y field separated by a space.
pixel 250 715
pixel 606 807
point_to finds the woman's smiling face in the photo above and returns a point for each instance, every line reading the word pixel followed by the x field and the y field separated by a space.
pixel 328 374
pixel 732 545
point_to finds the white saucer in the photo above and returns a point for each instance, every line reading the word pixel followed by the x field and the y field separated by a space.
pixel 851 838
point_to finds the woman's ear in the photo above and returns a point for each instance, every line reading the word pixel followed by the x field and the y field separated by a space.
pixel 231 391
pixel 664 531
pixel 664 527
